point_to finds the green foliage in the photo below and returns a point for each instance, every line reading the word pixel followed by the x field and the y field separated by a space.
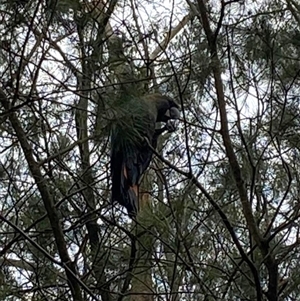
pixel 195 241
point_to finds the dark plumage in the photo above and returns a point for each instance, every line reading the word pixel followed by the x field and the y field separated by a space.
pixel 131 154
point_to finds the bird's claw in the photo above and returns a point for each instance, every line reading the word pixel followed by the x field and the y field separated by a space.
pixel 171 126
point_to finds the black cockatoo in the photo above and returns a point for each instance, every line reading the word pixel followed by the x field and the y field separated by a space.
pixel 130 151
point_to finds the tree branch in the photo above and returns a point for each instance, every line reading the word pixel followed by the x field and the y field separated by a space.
pixel 225 130
pixel 169 36
pixel 41 183
pixel 236 170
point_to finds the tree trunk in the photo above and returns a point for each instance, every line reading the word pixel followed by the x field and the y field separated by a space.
pixel 142 286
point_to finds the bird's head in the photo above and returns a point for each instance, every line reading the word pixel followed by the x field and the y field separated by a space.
pixel 166 107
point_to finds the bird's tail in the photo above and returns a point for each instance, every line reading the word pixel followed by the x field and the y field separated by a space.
pixel 125 194
pixel 130 193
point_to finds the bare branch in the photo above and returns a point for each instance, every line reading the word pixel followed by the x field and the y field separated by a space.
pixel 169 36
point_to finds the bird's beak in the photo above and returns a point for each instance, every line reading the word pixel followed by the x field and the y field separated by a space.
pixel 173 113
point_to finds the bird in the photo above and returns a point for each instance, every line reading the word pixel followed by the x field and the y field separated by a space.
pixel 130 150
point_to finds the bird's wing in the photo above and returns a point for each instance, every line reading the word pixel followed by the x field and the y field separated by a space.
pixel 128 163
